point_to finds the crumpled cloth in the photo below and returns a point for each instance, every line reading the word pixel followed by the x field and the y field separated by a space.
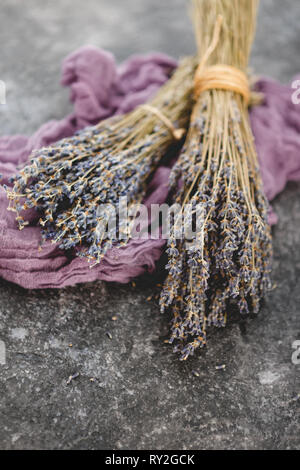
pixel 100 89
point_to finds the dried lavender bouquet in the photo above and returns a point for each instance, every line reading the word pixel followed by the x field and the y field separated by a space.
pixel 227 259
pixel 71 182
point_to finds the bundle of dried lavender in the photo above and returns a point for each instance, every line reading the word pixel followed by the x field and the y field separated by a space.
pixel 70 182
pixel 228 259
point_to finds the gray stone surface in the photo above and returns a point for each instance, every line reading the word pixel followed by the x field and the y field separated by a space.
pixel 140 396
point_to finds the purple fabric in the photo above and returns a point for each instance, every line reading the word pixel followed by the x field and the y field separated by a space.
pixel 100 89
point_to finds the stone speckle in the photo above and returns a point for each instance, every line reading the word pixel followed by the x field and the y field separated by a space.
pixel 140 397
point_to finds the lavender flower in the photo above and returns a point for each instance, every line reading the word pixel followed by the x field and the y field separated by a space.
pixel 70 182
pixel 229 260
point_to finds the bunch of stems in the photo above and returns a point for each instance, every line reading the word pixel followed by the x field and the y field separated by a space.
pixel 227 258
pixel 71 182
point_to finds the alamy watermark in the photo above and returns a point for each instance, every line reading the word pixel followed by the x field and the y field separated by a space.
pixel 2 353
pixel 2 92
pixel 296 94
pixel 296 353
pixel 159 221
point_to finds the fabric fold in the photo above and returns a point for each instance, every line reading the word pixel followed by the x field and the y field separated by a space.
pixel 99 89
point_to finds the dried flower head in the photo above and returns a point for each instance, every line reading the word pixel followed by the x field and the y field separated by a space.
pixel 71 182
pixel 229 259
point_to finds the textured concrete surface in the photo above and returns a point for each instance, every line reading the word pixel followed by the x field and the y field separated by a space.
pixel 140 396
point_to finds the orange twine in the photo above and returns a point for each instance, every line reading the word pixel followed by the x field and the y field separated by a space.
pixel 221 76
pixel 213 77
pixel 176 133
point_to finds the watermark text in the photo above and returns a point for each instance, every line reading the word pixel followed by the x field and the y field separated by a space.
pixel 2 92
pixel 296 94
pixel 296 353
pixel 2 353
